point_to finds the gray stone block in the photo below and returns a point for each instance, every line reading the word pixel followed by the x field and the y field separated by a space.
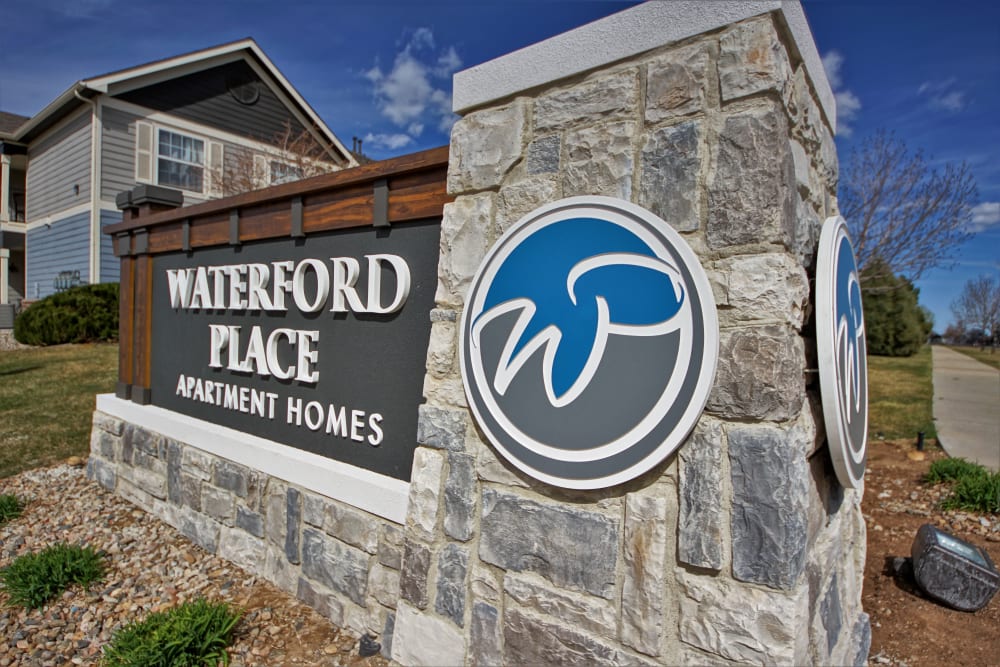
pixel 175 491
pixel 460 497
pixel 484 146
pixel 831 614
pixel 611 97
pixel 349 525
pixel 485 648
pixel 453 565
pixel 699 531
pixel 530 640
pixel 201 530
pixel 752 60
pixel 275 510
pixel 750 192
pixel 465 228
pixel 600 161
pixel 442 428
pixel 387 632
pixel 313 509
pixel 770 506
pixel 218 504
pixel 645 556
pixel 570 547
pixel 861 640
pixel 107 423
pixel 413 578
pixel 383 585
pixel 390 546
pixel 321 600
pixel 101 472
pixel 250 521
pixel 676 83
pixel 543 155
pixel 104 443
pixel 293 506
pixel 584 612
pixel 335 565
pixel 243 549
pixel 191 492
pixel 759 375
pixel 671 164
pixel 231 477
pixel 425 492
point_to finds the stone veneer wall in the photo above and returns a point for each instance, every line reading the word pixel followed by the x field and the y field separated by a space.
pixel 340 560
pixel 741 547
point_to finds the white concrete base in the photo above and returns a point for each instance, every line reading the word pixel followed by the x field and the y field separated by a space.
pixel 381 495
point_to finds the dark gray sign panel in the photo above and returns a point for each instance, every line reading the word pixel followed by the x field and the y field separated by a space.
pixel 316 343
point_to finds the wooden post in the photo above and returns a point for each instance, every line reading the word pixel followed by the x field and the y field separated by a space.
pixel 135 321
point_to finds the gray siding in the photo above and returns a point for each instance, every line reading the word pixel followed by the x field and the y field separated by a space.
pixel 204 98
pixel 110 264
pixel 55 164
pixel 117 152
pixel 62 247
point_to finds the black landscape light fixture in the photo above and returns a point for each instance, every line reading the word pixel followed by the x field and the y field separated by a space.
pixel 952 571
pixel 920 441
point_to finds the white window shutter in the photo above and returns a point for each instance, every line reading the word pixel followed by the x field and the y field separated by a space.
pixel 261 174
pixel 143 152
pixel 216 160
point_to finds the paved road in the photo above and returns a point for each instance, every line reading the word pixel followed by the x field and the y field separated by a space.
pixel 967 407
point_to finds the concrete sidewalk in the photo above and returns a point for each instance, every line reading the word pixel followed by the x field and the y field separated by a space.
pixel 967 407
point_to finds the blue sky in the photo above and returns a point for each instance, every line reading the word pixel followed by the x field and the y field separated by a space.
pixel 381 70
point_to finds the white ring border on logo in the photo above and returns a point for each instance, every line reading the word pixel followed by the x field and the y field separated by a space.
pixel 628 216
pixel 843 451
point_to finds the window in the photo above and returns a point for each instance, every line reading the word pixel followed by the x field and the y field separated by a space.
pixel 282 172
pixel 181 161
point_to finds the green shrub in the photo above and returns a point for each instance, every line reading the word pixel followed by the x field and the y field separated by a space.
pixel 974 488
pixel 975 493
pixel 951 470
pixel 88 313
pixel 193 633
pixel 34 579
pixel 10 508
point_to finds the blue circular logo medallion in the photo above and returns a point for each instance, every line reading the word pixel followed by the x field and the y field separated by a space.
pixel 588 342
pixel 842 351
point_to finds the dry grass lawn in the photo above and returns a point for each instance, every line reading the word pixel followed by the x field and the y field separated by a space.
pixel 986 356
pixel 901 396
pixel 47 399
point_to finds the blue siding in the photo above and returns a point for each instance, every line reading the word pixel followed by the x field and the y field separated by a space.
pixel 110 264
pixel 64 246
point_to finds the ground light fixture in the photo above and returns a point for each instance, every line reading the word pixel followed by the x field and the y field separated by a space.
pixel 952 571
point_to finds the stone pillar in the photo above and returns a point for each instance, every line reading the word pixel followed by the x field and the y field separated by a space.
pixel 740 547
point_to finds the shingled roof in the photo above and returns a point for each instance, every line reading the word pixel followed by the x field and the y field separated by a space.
pixel 10 122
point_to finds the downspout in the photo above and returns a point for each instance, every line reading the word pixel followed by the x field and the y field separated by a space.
pixel 94 276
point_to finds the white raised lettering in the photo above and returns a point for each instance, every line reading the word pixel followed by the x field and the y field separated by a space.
pixel 307 356
pixel 375 283
pixel 336 422
pixel 345 275
pixel 375 424
pixel 179 284
pixel 299 285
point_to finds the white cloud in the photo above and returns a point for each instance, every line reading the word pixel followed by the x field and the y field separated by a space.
pixel 390 142
pixel 832 62
pixel 848 104
pixel 413 94
pixel 943 95
pixel 984 216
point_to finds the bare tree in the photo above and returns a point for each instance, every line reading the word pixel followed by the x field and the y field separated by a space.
pixel 978 306
pixel 295 155
pixel 902 210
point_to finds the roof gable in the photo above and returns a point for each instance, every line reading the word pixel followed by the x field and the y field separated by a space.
pixel 232 97
pixel 123 81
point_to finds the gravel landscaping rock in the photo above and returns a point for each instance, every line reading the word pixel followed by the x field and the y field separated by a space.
pixel 151 567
